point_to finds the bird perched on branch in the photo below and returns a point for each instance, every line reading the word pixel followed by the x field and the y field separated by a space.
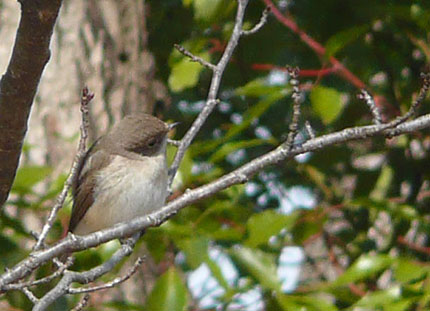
pixel 122 176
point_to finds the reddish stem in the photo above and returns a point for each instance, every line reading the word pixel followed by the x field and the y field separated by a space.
pixel 413 246
pixel 338 67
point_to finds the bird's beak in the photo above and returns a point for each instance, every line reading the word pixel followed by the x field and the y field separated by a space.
pixel 171 126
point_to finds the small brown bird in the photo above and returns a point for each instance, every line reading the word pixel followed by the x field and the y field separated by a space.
pixel 122 176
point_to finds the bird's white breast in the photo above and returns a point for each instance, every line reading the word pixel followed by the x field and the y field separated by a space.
pixel 126 189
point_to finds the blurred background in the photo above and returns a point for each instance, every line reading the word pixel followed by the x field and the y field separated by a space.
pixel 345 228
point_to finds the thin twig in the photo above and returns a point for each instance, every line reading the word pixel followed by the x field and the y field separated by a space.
pixel 110 284
pixel 64 285
pixel 309 130
pixel 82 303
pixel 260 24
pixel 416 103
pixel 297 98
pixel 30 295
pixel 47 279
pixel 211 100
pixel 368 99
pixel 85 100
pixel 194 58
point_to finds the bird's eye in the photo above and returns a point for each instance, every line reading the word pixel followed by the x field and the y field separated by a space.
pixel 152 142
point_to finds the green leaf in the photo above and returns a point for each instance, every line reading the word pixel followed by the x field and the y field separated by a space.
pixel 175 230
pixel 402 305
pixel 185 173
pixel 28 176
pixel 304 303
pixel 263 225
pixel 196 253
pixel 406 271
pixel 383 184
pixel 185 73
pixel 307 227
pixel 338 41
pixel 195 250
pixel 87 259
pixel 169 293
pixel 258 88
pixel 227 234
pixel 7 245
pixel 326 103
pixel 156 242
pixel 54 188
pixel 401 211
pixel 380 298
pixel 11 250
pixel 260 265
pixel 206 10
pixel 364 267
pixel 14 223
pixel 217 273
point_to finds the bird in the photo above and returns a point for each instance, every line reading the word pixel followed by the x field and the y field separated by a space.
pixel 123 175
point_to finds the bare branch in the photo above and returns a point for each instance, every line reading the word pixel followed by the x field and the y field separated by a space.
pixel 260 24
pixel 416 103
pixel 194 58
pixel 309 130
pixel 49 278
pixel 111 284
pixel 211 100
pixel 368 99
pixel 30 295
pixel 63 286
pixel 82 304
pixel 240 175
pixel 85 100
pixel 297 98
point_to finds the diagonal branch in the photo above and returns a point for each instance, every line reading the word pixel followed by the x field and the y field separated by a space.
pixel 30 295
pixel 19 84
pixel 211 100
pixel 416 103
pixel 195 58
pixel 77 243
pixel 82 304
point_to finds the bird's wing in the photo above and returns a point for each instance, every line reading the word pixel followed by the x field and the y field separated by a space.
pixel 84 183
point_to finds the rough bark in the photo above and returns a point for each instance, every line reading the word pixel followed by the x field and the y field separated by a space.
pixel 19 84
